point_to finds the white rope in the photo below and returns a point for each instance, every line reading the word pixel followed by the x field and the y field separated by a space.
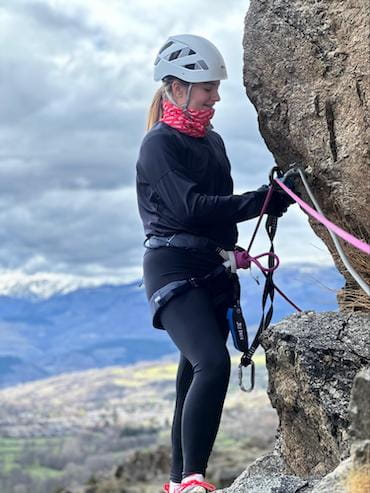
pixel 356 276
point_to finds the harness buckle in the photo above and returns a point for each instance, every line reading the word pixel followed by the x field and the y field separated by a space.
pixel 240 376
pixel 194 282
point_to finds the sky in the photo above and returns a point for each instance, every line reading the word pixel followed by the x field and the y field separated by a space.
pixel 76 81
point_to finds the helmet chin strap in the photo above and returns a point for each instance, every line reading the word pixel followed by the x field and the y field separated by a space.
pixel 184 106
pixel 188 94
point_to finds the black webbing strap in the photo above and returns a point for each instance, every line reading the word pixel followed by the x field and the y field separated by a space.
pixel 268 292
pixel 201 281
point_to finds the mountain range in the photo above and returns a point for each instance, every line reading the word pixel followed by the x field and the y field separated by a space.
pixel 98 326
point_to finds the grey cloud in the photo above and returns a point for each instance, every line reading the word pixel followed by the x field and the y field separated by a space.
pixel 95 170
pixel 71 22
pixel 25 88
pixel 71 229
pixel 72 116
pixel 77 138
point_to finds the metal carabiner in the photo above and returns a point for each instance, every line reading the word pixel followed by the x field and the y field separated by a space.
pixel 292 171
pixel 277 170
pixel 240 375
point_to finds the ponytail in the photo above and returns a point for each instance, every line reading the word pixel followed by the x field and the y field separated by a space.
pixel 164 92
pixel 155 111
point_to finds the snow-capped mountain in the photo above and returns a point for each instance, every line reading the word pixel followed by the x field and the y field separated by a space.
pixel 44 285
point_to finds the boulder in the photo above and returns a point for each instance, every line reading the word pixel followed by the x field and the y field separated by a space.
pixel 353 474
pixel 306 71
pixel 312 360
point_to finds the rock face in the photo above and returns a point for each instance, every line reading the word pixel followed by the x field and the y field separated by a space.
pixel 360 414
pixel 306 70
pixel 267 475
pixel 353 474
pixel 313 360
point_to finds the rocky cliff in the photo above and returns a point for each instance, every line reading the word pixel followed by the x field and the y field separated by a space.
pixel 313 360
pixel 306 70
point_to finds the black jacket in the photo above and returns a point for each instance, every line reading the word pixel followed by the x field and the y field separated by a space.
pixel 184 184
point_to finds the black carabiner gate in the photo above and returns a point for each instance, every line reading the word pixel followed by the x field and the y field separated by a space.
pixel 276 170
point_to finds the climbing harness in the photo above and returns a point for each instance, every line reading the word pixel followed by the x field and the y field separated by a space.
pixel 191 243
pixel 163 295
pixel 234 316
pixel 236 322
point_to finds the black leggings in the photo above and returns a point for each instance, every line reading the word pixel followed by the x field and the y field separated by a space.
pixel 200 331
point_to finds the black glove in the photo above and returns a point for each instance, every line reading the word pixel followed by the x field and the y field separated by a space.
pixel 280 200
pixel 263 188
pixel 278 203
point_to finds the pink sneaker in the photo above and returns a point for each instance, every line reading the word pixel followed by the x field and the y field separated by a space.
pixel 195 486
pixel 166 488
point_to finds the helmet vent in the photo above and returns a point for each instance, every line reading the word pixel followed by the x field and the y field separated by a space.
pixel 173 55
pixel 167 45
pixel 179 54
pixel 203 64
pixel 200 65
pixel 187 52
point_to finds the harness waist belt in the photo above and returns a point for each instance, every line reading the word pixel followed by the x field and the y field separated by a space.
pixel 181 240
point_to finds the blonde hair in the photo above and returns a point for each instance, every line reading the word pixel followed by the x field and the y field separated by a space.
pixel 155 110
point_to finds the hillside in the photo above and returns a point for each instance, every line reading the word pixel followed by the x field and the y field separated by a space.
pixel 105 325
pixel 61 430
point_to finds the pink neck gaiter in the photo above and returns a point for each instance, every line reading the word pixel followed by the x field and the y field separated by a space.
pixel 189 122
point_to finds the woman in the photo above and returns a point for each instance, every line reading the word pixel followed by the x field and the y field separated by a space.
pixel 189 213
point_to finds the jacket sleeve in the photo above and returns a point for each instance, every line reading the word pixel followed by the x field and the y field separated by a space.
pixel 180 195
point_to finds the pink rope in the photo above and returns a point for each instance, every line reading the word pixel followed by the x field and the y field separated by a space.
pixel 244 259
pixel 263 210
pixel 361 245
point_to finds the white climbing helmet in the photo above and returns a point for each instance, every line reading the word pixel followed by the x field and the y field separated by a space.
pixel 190 58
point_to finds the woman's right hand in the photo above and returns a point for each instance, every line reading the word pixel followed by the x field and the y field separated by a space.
pixel 279 201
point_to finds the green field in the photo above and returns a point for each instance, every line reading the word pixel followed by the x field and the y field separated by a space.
pixel 12 449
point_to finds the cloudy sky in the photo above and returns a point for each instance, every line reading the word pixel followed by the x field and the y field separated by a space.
pixel 75 86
